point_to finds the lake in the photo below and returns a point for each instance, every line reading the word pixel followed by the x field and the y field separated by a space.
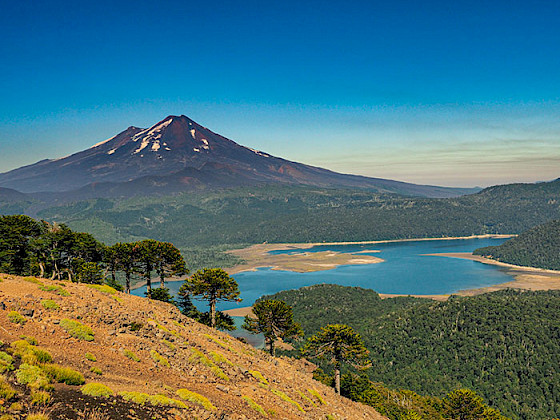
pixel 405 271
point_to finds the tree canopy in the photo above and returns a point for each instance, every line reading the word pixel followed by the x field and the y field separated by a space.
pixel 339 343
pixel 274 319
pixel 213 285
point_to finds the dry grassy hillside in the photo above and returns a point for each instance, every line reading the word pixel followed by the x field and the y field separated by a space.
pixel 144 352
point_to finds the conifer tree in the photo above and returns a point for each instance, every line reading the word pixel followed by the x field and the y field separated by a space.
pixel 341 344
pixel 274 319
pixel 214 285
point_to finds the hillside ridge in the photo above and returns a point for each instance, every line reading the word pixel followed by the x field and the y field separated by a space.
pixel 173 352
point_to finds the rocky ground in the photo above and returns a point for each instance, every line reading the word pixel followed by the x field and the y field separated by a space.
pixel 149 347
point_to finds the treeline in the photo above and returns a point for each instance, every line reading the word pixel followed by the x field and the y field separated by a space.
pixel 503 345
pixel 51 250
pixel 306 214
pixel 538 247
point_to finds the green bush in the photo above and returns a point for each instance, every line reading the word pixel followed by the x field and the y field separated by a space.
pixel 6 362
pixel 254 405
pixel 159 400
pixel 32 376
pixel 287 399
pixel 55 289
pixel 6 390
pixel 63 374
pixel 164 401
pixel 103 288
pixel 131 355
pixel 96 370
pixel 158 358
pixel 40 398
pixel 94 389
pixel 258 376
pixel 135 397
pixel 77 329
pixel 195 398
pixel 16 318
pixel 91 357
pixel 31 340
pixel 30 354
pixel 317 395
pixel 49 304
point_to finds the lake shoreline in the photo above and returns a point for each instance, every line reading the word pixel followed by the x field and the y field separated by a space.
pixel 525 278
pixel 258 255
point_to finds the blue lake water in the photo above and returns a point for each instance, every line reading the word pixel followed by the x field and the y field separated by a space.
pixel 405 271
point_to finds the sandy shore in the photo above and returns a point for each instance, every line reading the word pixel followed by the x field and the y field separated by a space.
pixel 526 278
pixel 257 256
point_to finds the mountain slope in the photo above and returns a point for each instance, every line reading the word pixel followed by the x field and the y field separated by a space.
pixel 538 247
pixel 173 353
pixel 177 154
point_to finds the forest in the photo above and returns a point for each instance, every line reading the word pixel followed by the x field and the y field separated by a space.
pixel 503 345
pixel 538 247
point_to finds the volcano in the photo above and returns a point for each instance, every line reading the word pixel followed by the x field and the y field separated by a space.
pixel 177 154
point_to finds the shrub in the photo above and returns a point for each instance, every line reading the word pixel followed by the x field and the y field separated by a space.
pixel 164 401
pixel 63 374
pixel 37 416
pixel 220 358
pixel 6 390
pixel 103 288
pixel 30 354
pixel 306 398
pixel 40 398
pixel 317 395
pixel 6 362
pixel 287 399
pixel 136 397
pixel 31 340
pixel 169 344
pixel 55 289
pixel 254 405
pixel 135 326
pixel 16 318
pixel 195 398
pixel 32 376
pixel 258 376
pixel 33 280
pixel 91 357
pixel 131 355
pixel 94 389
pixel 158 358
pixel 77 329
pixel 199 357
pixel 49 304
pixel 96 370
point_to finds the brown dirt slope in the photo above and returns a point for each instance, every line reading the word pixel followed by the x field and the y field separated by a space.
pixel 174 353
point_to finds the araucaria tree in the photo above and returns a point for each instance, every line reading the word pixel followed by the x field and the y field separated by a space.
pixel 274 319
pixel 214 285
pixel 168 262
pixel 341 344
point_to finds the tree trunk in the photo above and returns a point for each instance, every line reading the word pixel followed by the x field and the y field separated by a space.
pixel 148 283
pixel 213 312
pixel 271 347
pixel 127 274
pixel 42 268
pixel 337 377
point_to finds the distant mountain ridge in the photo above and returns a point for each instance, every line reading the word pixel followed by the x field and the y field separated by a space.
pixel 177 154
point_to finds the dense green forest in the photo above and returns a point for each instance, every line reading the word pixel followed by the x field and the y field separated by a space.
pixel 537 247
pixel 503 345
pixel 305 214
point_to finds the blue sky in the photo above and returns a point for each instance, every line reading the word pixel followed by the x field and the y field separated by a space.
pixel 449 93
